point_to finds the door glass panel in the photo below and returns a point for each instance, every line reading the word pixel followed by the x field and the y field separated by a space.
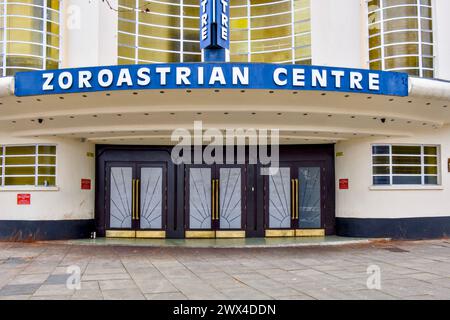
pixel 151 198
pixel 121 193
pixel 280 199
pixel 309 197
pixel 200 198
pixel 230 198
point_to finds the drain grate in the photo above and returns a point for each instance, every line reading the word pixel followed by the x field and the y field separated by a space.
pixel 395 249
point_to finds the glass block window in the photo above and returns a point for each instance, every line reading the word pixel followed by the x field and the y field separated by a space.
pixel 405 164
pixel 29 35
pixel 28 165
pixel 401 36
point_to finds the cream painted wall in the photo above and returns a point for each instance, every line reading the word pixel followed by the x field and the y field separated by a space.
pixel 89 34
pixel 336 29
pixel 362 202
pixel 441 32
pixel 68 202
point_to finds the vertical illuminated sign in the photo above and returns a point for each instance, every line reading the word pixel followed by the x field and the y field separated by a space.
pixel 206 21
pixel 223 23
pixel 214 24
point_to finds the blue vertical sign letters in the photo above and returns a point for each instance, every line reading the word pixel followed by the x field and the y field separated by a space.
pixel 206 21
pixel 223 23
pixel 214 24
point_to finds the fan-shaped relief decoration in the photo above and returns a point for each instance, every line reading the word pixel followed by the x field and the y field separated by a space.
pixel 280 199
pixel 230 198
pixel 310 205
pixel 151 198
pixel 121 197
pixel 200 198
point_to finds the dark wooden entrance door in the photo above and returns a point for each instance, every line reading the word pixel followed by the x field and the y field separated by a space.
pixel 136 202
pixel 215 199
pixel 295 198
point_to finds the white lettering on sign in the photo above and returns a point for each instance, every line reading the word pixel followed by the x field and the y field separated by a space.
pixel 337 77
pixel 48 77
pixel 204 20
pixel 276 76
pixel 240 77
pixel 224 19
pixel 143 76
pixel 65 80
pixel 298 77
pixel 355 80
pixel 124 77
pixel 319 77
pixel 217 75
pixel 83 79
pixel 163 75
pixel 104 83
pixel 182 75
pixel 204 75
pixel 374 81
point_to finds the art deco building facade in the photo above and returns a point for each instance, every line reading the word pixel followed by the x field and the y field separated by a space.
pixel 352 163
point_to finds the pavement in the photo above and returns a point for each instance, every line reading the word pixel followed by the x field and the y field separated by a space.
pixel 374 270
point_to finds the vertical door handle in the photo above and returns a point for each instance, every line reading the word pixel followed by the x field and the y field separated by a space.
pixel 292 199
pixel 296 198
pixel 133 202
pixel 137 198
pixel 213 198
pixel 217 199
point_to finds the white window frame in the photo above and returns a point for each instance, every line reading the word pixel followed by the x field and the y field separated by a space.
pixel 422 165
pixel 36 165
pixel 382 59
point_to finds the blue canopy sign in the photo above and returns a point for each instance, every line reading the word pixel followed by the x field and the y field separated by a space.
pixel 211 76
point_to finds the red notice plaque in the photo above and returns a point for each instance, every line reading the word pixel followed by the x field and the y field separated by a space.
pixel 23 199
pixel 343 184
pixel 85 184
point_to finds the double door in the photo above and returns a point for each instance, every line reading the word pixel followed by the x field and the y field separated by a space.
pixel 294 200
pixel 136 201
pixel 215 201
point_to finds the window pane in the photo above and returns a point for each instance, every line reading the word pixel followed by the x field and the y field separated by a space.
pixel 19 181
pixel 49 181
pixel 431 170
pixel 430 150
pixel 406 180
pixel 19 171
pixel 380 149
pixel 405 149
pixel 380 180
pixel 406 160
pixel 430 160
pixel 407 170
pixel 20 160
pixel 431 180
pixel 47 149
pixel 47 170
pixel 380 160
pixel 20 150
pixel 47 160
pixel 381 170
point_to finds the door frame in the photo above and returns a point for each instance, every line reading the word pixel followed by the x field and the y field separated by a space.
pixel 295 229
pixel 215 231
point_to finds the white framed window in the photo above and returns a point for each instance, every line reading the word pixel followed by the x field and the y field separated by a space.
pixel 28 165
pixel 398 164
pixel 401 36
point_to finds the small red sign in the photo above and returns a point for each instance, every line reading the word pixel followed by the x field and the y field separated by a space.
pixel 85 184
pixel 23 199
pixel 343 184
